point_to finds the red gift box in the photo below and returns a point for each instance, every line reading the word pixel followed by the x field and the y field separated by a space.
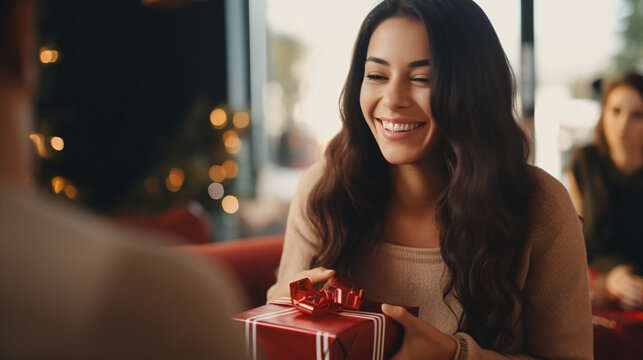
pixel 280 331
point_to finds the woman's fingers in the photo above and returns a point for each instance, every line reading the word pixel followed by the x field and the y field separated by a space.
pixel 316 275
pixel 632 293
pixel 622 283
pixel 626 287
pixel 630 303
pixel 421 340
pixel 400 315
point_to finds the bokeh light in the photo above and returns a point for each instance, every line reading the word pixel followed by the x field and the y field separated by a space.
pixel 232 141
pixel 49 56
pixel 39 141
pixel 57 143
pixel 215 190
pixel 230 204
pixel 58 184
pixel 175 179
pixel 241 119
pixel 71 191
pixel 231 169
pixel 234 148
pixel 218 118
pixel 230 134
pixel 217 173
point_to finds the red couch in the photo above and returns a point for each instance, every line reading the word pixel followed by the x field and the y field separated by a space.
pixel 617 334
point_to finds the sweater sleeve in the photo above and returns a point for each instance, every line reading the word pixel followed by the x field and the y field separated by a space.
pixel 301 243
pixel 557 324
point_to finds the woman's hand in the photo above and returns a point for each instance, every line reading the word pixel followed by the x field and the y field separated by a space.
pixel 315 275
pixel 625 287
pixel 421 340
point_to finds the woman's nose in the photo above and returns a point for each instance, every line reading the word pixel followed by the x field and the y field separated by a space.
pixel 625 121
pixel 396 95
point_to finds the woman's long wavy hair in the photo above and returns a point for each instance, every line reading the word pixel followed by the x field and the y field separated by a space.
pixel 483 211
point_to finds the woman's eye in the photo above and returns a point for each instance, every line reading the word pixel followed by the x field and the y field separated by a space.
pixel 616 111
pixel 422 80
pixel 375 77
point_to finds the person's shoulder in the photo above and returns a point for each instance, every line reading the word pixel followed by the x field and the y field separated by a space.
pixel 166 294
pixel 312 175
pixel 547 190
pixel 309 179
pixel 66 235
pixel 113 276
pixel 48 236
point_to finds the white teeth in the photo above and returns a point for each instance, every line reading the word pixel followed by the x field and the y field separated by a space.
pixel 397 127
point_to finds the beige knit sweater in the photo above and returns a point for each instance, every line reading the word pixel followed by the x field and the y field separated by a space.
pixel 553 276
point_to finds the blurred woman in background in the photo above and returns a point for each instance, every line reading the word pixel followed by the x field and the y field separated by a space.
pixel 606 185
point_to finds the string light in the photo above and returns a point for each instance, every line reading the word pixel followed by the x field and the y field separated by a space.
pixel 218 118
pixel 231 169
pixel 230 204
pixel 57 143
pixel 215 190
pixel 241 119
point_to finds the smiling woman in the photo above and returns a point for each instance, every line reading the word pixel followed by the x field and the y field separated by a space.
pixel 395 94
pixel 425 197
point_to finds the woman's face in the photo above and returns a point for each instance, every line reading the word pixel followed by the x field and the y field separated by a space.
pixel 395 93
pixel 623 120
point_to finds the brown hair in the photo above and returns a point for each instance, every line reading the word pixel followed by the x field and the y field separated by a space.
pixel 482 212
pixel 632 80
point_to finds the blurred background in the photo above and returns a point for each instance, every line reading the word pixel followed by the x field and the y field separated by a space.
pixel 197 118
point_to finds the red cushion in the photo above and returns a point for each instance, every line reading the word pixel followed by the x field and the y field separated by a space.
pixel 253 261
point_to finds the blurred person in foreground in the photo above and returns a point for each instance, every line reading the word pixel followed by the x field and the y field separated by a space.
pixel 74 287
pixel 606 186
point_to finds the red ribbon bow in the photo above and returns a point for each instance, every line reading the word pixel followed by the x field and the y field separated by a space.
pixel 335 295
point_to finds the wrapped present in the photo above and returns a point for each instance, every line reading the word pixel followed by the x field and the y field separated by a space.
pixel 332 323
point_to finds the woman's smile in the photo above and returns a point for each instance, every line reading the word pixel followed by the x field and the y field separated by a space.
pixel 399 128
